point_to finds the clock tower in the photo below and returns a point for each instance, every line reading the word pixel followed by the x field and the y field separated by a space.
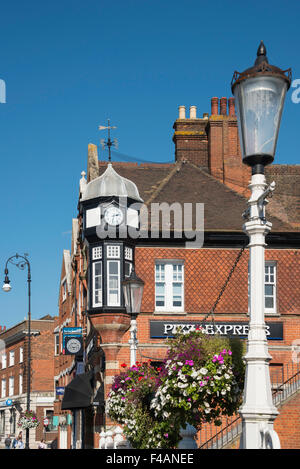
pixel 110 207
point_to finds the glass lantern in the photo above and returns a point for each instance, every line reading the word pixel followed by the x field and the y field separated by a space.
pixel 259 98
pixel 133 293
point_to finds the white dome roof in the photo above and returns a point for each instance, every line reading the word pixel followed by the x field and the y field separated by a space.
pixel 110 183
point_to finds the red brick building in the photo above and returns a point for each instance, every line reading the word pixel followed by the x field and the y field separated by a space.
pixel 13 378
pixel 182 279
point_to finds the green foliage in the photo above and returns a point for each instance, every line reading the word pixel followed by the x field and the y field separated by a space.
pixel 201 380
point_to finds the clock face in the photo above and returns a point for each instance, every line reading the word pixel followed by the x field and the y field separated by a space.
pixel 113 216
pixel 73 345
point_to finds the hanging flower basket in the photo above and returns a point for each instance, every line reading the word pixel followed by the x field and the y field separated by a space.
pixel 200 381
pixel 28 419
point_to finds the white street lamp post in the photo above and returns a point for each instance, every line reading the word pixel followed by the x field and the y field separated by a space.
pixel 133 342
pixel 133 292
pixel 259 94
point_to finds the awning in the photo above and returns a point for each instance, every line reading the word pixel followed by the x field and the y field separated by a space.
pixel 79 393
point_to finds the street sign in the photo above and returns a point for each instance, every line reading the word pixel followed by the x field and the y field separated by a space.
pixel 60 390
pixel 68 334
pixel 8 402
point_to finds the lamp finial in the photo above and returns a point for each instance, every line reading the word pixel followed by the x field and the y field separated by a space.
pixel 261 54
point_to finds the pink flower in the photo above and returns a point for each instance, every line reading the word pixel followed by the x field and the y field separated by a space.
pixel 166 435
pixel 229 352
pixel 189 362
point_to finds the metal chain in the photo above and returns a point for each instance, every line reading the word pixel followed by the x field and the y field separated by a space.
pixel 212 311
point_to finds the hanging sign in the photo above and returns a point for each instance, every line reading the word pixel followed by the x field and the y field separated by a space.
pixel 74 346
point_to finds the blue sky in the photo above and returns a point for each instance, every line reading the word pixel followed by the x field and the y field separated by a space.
pixel 70 65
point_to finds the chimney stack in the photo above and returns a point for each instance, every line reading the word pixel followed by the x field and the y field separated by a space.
pixel 193 112
pixel 181 112
pixel 214 106
pixel 231 106
pixel 93 165
pixel 223 106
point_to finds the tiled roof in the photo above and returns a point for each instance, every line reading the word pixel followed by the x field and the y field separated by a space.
pixel 187 183
pixel 286 200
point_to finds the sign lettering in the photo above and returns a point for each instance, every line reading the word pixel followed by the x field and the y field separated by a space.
pixel 162 329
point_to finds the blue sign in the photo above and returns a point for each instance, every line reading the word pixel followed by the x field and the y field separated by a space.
pixel 70 332
pixel 60 390
pixel 8 402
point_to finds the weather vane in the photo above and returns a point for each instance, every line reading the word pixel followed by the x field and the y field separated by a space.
pixel 108 143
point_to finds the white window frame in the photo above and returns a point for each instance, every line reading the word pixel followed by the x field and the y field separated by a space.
pixel 2 421
pixel 20 383
pixel 118 302
pixel 56 344
pixel 271 279
pixel 3 387
pixel 11 358
pixel 268 264
pixel 113 251
pixel 99 303
pixel 97 253
pixel 169 281
pixel 128 253
pixel 129 264
pixel 11 385
pixel 4 360
pixel 21 355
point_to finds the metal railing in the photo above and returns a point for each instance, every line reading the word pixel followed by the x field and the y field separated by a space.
pixel 285 383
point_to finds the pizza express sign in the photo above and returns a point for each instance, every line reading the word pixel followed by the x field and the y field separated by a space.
pixel 161 329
